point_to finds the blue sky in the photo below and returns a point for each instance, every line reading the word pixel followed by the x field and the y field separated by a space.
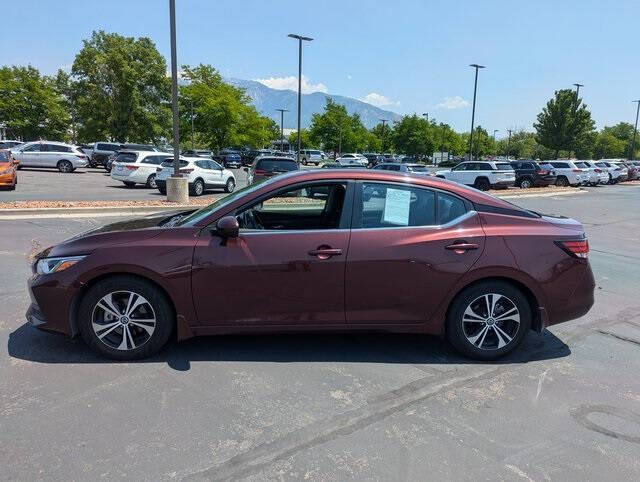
pixel 407 56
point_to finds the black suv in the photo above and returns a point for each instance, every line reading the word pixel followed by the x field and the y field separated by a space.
pixel 530 174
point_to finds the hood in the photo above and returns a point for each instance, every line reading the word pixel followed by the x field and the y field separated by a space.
pixel 122 232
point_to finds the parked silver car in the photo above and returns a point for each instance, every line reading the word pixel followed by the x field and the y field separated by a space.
pixel 312 156
pixel 64 157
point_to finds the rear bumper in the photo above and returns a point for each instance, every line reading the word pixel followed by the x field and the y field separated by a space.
pixel 578 302
pixel 544 181
pixel 7 179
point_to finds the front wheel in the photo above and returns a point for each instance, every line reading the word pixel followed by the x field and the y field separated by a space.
pixel 151 181
pixel 488 320
pixel 230 186
pixel 125 318
pixel 482 184
pixel 562 181
pixel 525 183
pixel 198 187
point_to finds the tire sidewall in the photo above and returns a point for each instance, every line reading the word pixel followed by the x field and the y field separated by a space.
pixel 151 181
pixel 455 333
pixel 230 185
pixel 165 319
pixel 195 187
pixel 66 170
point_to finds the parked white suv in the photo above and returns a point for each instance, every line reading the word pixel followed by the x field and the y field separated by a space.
pixel 202 174
pixel 64 157
pixel 347 159
pixel 596 175
pixel 482 175
pixel 137 167
pixel 568 174
pixel 312 156
pixel 613 171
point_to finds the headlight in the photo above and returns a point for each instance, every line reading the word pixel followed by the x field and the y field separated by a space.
pixel 52 265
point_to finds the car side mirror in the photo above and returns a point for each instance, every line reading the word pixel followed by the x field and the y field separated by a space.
pixel 227 227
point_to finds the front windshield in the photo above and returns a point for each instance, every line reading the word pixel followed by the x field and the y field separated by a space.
pixel 200 214
pixel 418 168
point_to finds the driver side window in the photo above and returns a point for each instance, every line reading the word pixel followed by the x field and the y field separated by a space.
pixel 304 207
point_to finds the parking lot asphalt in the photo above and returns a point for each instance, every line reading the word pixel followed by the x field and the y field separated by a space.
pixel 87 184
pixel 566 406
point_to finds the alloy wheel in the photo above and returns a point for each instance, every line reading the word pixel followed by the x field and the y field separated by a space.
pixel 491 321
pixel 65 166
pixel 123 320
pixel 198 188
pixel 525 184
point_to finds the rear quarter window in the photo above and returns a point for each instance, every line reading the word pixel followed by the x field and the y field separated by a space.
pixel 449 208
pixel 277 165
pixel 504 166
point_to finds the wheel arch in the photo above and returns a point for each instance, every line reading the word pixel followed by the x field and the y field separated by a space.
pixel 181 326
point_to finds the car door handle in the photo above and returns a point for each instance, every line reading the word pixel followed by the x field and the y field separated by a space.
pixel 461 246
pixel 324 253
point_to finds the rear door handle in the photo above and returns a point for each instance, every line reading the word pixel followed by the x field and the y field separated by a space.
pixel 324 253
pixel 461 246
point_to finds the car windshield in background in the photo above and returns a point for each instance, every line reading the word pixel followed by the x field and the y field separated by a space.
pixel 4 157
pixel 504 166
pixel 277 165
pixel 417 168
pixel 126 157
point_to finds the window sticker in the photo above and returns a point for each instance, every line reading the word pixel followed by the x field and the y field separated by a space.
pixel 396 207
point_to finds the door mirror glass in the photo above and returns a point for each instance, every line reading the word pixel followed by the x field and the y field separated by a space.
pixel 228 227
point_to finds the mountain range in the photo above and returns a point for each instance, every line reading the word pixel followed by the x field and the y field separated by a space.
pixel 266 100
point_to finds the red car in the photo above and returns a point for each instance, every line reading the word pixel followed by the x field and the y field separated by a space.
pixel 337 250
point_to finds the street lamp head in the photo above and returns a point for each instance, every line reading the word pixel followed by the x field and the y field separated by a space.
pixel 578 85
pixel 477 66
pixel 638 101
pixel 282 110
pixel 299 37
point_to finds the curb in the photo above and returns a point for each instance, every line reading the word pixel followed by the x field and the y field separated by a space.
pixel 542 194
pixel 11 214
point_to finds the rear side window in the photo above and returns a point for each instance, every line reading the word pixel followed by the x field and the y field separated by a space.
pixel 56 148
pixel 449 208
pixel 560 165
pixel 390 206
pixel 107 147
pixel 277 165
pixel 504 166
pixel 202 164
pixel 169 163
pixel 152 160
pixel 581 165
pixel 126 157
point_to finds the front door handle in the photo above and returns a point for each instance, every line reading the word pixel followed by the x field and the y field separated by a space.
pixel 461 247
pixel 324 252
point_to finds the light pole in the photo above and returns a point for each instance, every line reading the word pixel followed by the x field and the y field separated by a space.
pixel 383 123
pixel 635 130
pixel 426 114
pixel 494 140
pixel 473 110
pixel 508 142
pixel 575 104
pixel 282 111
pixel 177 187
pixel 300 38
pixel 192 141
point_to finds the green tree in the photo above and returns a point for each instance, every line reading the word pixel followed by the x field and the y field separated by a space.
pixel 335 128
pixel 121 89
pixel 414 135
pixel 483 145
pixel 564 124
pixel 305 139
pixel 30 105
pixel 222 114
pixel 607 145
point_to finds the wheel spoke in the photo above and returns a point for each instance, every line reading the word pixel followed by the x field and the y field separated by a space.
pixel 486 300
pixel 500 334
pixel 128 330
pixel 106 303
pixel 508 315
pixel 494 299
pixel 131 298
pixel 139 301
pixel 147 328
pixel 474 338
pixel 109 328
pixel 469 313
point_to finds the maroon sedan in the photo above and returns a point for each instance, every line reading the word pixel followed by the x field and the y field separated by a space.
pixel 335 250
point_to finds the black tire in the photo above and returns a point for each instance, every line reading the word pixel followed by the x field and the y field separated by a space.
pixel 129 184
pixel 482 184
pixel 163 190
pixel 161 310
pixel 65 166
pixel 458 331
pixel 198 188
pixel 230 185
pixel 562 181
pixel 525 183
pixel 151 181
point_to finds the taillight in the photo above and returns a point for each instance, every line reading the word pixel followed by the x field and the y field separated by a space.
pixel 577 248
pixel 598 170
pixel 186 171
pixel 577 170
pixel 131 167
pixel 542 172
pixel 81 156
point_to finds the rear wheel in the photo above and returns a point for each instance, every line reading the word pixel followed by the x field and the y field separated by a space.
pixel 562 181
pixel 151 181
pixel 525 183
pixel 482 184
pixel 125 318
pixel 198 187
pixel 65 166
pixel 230 186
pixel 488 320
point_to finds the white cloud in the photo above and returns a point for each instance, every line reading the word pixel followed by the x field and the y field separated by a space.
pixel 291 83
pixel 378 100
pixel 349 76
pixel 449 103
